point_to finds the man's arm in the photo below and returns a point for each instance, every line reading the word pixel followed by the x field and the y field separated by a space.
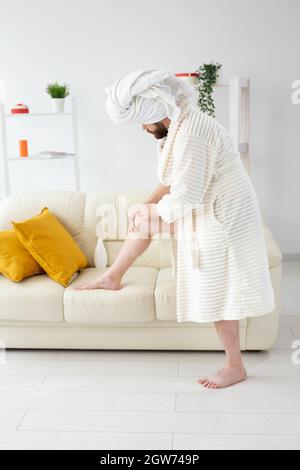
pixel 157 194
pixel 154 198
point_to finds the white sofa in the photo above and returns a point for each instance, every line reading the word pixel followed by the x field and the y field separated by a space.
pixel 39 313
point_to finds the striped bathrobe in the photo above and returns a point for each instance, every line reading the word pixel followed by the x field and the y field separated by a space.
pixel 219 251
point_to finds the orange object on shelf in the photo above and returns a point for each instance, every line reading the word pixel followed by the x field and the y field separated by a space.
pixel 23 144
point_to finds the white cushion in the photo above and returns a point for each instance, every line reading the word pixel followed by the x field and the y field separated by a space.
pixel 67 206
pixel 133 303
pixel 37 298
pixel 149 258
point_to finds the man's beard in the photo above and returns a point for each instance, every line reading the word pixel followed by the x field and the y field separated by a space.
pixel 160 131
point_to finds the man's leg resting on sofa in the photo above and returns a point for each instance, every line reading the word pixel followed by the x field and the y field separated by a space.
pixel 130 251
pixel 111 279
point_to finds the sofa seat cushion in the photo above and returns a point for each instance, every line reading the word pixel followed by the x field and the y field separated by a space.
pixel 165 298
pixel 134 303
pixel 36 298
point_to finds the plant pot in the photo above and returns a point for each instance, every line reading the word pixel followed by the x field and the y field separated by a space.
pixel 58 105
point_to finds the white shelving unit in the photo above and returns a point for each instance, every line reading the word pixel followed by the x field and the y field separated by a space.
pixel 5 159
pixel 239 119
pixel 239 122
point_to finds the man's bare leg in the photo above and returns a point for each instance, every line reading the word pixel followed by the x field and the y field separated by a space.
pixel 130 251
pixel 234 370
pixel 111 279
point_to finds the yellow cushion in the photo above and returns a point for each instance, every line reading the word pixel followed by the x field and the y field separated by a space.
pixel 15 261
pixel 51 246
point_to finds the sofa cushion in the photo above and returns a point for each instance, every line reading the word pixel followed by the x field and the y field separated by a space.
pixel 165 298
pixel 67 206
pixel 36 298
pixel 149 258
pixel 133 303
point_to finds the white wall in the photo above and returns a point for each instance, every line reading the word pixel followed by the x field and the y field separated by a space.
pixel 88 44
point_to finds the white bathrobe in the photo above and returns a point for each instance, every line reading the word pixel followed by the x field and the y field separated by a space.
pixel 220 262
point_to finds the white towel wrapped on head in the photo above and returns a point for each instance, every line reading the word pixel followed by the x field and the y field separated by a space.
pixel 146 97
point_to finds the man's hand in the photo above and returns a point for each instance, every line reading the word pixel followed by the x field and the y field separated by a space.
pixel 139 216
pixel 147 222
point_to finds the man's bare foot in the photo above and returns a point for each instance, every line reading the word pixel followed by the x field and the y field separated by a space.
pixel 224 378
pixel 106 281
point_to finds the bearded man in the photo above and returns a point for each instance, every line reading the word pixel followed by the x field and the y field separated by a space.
pixel 220 261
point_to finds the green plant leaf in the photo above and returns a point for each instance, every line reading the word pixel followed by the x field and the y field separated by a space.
pixel 208 76
pixel 55 90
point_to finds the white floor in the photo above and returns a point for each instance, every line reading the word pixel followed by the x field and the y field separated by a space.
pixel 150 400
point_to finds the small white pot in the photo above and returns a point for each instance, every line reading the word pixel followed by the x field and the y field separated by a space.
pixel 58 105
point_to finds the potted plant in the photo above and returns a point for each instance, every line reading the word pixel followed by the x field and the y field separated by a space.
pixel 58 94
pixel 207 78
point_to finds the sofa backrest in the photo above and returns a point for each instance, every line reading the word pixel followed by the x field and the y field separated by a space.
pixel 117 204
pixel 81 215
